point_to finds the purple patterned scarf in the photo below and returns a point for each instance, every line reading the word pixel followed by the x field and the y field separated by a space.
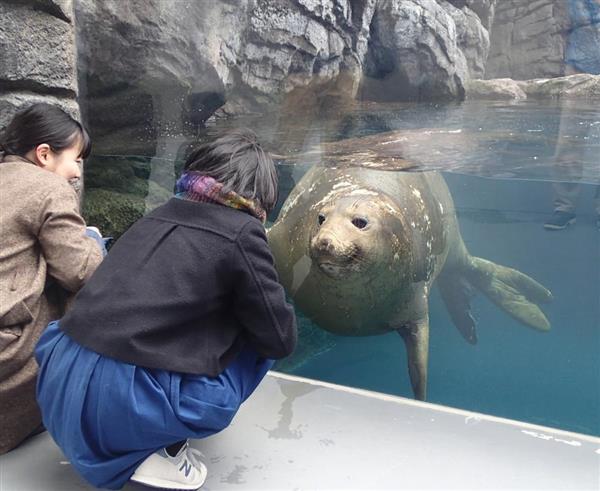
pixel 195 186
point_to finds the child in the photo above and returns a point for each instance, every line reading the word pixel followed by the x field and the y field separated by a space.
pixel 175 329
pixel 43 248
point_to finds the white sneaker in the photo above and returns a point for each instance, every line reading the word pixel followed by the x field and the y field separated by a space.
pixel 184 471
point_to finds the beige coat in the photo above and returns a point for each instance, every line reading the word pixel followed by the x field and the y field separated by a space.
pixel 44 253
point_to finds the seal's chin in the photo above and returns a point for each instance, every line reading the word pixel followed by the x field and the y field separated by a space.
pixel 332 269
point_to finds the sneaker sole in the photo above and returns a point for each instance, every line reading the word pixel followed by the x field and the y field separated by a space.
pixel 550 226
pixel 154 482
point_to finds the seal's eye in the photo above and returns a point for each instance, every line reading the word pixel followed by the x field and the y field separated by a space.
pixel 360 222
pixel 321 218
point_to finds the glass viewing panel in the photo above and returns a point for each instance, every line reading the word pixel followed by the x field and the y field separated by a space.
pixel 409 229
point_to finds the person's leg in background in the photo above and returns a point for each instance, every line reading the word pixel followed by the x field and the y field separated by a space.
pixel 565 200
pixel 570 157
pixel 581 56
pixel 568 169
pixel 597 206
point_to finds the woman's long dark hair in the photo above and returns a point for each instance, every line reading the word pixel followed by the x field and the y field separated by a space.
pixel 43 123
pixel 237 160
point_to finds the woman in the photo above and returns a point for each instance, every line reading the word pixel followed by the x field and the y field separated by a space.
pixel 44 250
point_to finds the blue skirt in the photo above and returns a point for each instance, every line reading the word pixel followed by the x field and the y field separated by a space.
pixel 108 416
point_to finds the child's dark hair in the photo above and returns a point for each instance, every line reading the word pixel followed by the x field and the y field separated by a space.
pixel 43 123
pixel 237 160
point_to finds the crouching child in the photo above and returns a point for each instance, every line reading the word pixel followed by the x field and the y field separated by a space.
pixel 175 329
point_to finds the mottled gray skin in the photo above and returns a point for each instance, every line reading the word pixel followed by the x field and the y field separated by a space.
pixel 358 250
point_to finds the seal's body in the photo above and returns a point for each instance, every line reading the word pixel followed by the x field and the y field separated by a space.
pixel 358 250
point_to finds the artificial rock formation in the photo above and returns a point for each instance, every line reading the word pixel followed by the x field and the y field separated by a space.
pixel 179 65
pixel 148 69
pixel 414 53
pixel 578 86
pixel 37 55
pixel 544 38
pixel 495 89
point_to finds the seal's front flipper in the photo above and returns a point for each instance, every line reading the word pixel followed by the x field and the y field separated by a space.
pixel 457 293
pixel 416 338
pixel 512 291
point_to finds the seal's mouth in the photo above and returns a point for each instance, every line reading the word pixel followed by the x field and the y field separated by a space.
pixel 340 266
pixel 336 261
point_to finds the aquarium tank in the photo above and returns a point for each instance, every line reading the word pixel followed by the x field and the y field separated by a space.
pixel 438 222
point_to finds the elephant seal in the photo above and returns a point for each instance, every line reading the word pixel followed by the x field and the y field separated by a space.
pixel 358 248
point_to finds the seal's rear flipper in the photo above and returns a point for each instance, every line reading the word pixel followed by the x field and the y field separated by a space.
pixel 512 291
pixel 416 338
pixel 456 294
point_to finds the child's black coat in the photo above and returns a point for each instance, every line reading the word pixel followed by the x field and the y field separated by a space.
pixel 182 290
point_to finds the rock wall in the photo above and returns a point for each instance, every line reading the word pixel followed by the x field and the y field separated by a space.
pixel 413 53
pixel 177 66
pixel 472 35
pixel 425 49
pixel 150 69
pixel 143 65
pixel 544 38
pixel 37 55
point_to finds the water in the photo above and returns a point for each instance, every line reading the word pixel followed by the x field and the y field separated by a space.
pixel 548 378
pixel 501 169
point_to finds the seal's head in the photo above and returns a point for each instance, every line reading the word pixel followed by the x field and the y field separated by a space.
pixel 356 233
